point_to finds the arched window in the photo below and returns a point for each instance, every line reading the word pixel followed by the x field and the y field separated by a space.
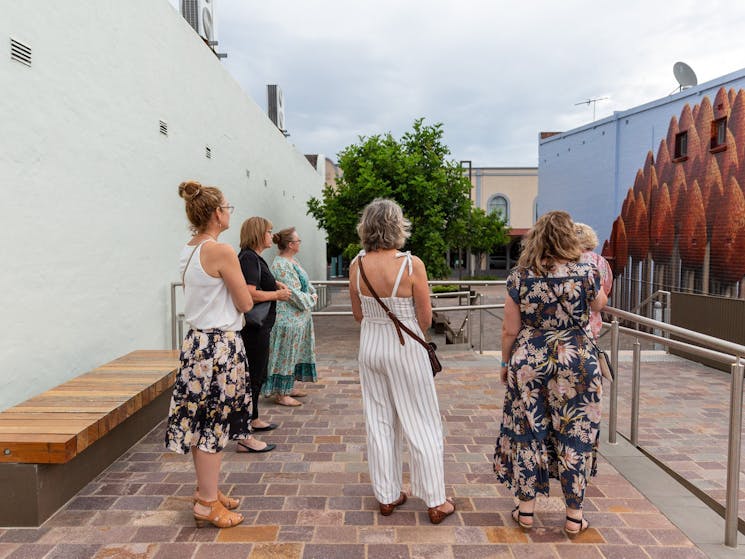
pixel 500 205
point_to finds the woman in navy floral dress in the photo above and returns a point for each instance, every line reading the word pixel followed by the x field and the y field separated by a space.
pixel 552 406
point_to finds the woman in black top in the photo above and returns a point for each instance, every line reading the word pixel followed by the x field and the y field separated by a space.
pixel 256 235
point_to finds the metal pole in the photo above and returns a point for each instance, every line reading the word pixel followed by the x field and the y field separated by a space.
pixel 613 405
pixel 471 300
pixel 733 455
pixel 635 382
pixel 174 344
pixel 657 315
pixel 481 327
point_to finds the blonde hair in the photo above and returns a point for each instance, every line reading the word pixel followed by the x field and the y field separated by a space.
pixel 201 202
pixel 552 238
pixel 586 236
pixel 253 231
pixel 383 225
pixel 282 238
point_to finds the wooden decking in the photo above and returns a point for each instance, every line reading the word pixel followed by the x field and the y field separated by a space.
pixel 57 425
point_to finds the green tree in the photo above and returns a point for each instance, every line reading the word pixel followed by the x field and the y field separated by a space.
pixel 487 232
pixel 415 171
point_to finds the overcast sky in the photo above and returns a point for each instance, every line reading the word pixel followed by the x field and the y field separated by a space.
pixel 495 73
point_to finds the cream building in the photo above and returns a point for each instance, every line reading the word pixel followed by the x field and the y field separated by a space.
pixel 512 192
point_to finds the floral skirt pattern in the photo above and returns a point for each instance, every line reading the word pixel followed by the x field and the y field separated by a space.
pixel 551 416
pixel 211 403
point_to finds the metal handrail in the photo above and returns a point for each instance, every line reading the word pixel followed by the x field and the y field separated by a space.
pixel 716 349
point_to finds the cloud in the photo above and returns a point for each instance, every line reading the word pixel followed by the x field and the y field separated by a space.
pixel 495 73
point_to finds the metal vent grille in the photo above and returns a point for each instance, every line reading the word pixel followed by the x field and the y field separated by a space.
pixel 164 127
pixel 20 52
pixel 190 11
pixel 208 152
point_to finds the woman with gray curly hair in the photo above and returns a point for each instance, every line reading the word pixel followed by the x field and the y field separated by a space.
pixel 398 390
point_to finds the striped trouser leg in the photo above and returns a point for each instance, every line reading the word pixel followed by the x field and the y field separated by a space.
pixel 399 395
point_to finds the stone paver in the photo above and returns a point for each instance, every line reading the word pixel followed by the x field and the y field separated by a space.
pixel 311 497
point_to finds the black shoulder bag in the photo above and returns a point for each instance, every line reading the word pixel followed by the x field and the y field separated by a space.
pixel 257 315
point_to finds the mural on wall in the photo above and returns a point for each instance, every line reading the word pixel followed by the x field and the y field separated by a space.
pixel 682 223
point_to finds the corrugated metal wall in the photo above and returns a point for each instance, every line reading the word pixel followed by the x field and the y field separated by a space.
pixel 716 316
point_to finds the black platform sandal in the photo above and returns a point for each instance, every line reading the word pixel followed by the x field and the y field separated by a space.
pixel 583 525
pixel 520 515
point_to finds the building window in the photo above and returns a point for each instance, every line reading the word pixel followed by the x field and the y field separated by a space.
pixel 681 146
pixel 500 205
pixel 535 210
pixel 719 134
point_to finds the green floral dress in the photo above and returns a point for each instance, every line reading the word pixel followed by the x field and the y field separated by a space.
pixel 292 342
pixel 552 406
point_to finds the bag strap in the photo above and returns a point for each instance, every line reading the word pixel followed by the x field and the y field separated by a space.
pixel 576 323
pixel 183 274
pixel 258 280
pixel 396 321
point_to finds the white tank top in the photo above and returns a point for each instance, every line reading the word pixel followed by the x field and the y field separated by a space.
pixel 207 302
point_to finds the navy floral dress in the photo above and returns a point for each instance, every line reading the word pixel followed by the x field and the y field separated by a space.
pixel 551 414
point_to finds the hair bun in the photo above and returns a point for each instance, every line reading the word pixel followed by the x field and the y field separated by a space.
pixel 276 238
pixel 189 190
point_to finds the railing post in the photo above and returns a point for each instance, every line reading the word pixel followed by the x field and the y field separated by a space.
pixel 468 319
pixel 657 315
pixel 481 326
pixel 613 407
pixel 635 382
pixel 174 344
pixel 733 455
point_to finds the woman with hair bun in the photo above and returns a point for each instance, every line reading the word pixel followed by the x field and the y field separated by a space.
pixel 210 398
pixel 292 343
pixel 256 237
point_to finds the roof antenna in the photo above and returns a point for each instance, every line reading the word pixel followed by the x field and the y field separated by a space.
pixel 594 104
pixel 685 75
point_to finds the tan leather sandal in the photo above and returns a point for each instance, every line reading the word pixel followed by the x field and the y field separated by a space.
pixel 218 516
pixel 228 502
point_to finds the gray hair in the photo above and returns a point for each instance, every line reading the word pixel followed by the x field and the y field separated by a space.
pixel 383 225
pixel 586 236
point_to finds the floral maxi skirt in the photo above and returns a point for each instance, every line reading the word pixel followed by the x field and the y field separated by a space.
pixel 210 402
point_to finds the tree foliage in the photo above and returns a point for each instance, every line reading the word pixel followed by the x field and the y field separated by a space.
pixel 415 172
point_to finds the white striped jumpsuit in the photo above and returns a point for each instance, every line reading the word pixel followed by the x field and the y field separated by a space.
pixel 399 400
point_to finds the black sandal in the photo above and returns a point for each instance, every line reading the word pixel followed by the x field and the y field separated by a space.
pixel 583 525
pixel 521 514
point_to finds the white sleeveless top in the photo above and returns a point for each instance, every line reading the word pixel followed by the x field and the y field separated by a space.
pixel 207 302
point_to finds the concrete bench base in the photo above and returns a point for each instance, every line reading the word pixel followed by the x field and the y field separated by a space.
pixel 34 492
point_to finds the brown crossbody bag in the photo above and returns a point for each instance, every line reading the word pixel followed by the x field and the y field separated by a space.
pixel 434 361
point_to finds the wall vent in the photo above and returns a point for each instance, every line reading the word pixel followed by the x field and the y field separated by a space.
pixel 20 52
pixel 208 152
pixel 164 127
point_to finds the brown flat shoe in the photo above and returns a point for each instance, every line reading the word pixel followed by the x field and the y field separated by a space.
pixel 287 401
pixel 298 394
pixel 437 515
pixel 387 510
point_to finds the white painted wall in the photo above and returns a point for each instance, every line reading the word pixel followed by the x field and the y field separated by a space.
pixel 92 220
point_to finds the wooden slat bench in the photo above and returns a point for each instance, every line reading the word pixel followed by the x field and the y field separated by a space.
pixel 53 444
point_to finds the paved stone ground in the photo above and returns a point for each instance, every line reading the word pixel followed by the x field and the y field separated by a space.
pixel 684 421
pixel 311 497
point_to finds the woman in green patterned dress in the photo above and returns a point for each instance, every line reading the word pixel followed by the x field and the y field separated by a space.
pixel 292 344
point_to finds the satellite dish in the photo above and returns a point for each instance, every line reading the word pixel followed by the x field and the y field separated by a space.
pixel 685 75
